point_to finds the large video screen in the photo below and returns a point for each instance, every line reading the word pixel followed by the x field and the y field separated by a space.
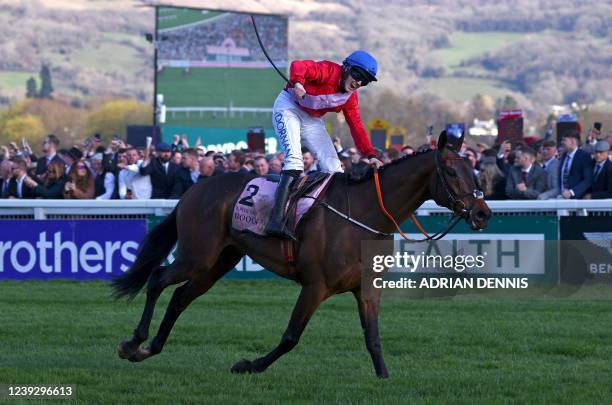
pixel 213 79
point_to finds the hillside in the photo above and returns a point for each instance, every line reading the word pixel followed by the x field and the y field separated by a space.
pixel 541 52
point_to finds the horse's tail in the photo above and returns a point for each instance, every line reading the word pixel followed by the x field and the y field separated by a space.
pixel 156 247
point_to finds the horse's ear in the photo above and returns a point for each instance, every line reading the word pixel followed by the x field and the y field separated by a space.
pixel 458 142
pixel 451 141
pixel 442 140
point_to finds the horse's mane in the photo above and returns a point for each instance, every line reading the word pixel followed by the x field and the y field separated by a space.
pixel 351 178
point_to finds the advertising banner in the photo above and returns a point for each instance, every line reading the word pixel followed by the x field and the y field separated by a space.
pixel 586 249
pixel 515 244
pixel 68 249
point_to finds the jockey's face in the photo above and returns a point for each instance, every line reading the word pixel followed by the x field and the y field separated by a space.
pixel 350 84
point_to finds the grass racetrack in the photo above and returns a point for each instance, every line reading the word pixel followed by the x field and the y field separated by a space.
pixel 437 350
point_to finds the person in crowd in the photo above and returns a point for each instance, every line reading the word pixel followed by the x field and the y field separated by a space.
pixel 220 163
pixel 248 165
pixel 131 184
pixel 407 150
pixel 177 158
pixel 49 147
pixel 592 137
pixel 275 165
pixel 80 183
pixel 576 168
pixel 505 157
pixel 163 172
pixel 17 187
pixel 235 162
pixel 111 154
pixel 310 165
pixel 550 164
pixel 602 173
pixel 179 143
pixel 6 172
pixel 104 179
pixel 55 181
pixel 69 157
pixel 470 155
pixel 262 169
pixel 316 88
pixel 188 174
pixel 207 168
pixel 526 180
pixel 491 179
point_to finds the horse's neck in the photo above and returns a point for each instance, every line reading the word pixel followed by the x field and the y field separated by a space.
pixel 404 187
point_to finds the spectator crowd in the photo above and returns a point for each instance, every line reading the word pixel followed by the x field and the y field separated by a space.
pixel 192 42
pixel 541 170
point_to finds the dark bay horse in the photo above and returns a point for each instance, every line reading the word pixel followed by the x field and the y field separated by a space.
pixel 328 259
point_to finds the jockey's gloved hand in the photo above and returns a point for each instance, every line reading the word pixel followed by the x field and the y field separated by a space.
pixel 299 90
pixel 375 163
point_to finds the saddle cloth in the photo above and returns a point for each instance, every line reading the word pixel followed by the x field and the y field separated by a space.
pixel 252 210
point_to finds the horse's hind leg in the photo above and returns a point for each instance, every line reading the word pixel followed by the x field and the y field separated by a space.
pixel 161 277
pixel 309 300
pixel 184 295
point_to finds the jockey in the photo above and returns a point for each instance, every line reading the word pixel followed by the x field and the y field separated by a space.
pixel 316 88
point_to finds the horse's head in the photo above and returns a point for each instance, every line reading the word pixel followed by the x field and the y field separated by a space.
pixel 453 185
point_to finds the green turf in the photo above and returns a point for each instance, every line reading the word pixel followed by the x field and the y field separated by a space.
pixel 437 351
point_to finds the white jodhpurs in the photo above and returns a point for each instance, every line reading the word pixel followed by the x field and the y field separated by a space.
pixel 294 128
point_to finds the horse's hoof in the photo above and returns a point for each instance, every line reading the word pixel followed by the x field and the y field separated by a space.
pixel 243 366
pixel 126 349
pixel 383 374
pixel 141 354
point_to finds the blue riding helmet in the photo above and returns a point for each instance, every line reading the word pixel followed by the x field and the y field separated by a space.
pixel 365 61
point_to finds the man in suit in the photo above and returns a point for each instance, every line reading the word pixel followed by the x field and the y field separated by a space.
pixel 163 172
pixel 602 173
pixel 261 167
pixel 550 164
pixel 575 168
pixel 17 187
pixel 188 174
pixel 50 145
pixel 208 168
pixel 6 172
pixel 527 179
pixel 236 161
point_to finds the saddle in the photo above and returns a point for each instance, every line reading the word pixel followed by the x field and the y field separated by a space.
pixel 252 210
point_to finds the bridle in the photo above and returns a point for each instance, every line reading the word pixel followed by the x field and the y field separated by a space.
pixel 455 200
pixel 463 212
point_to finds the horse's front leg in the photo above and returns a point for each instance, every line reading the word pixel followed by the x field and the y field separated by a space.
pixel 368 314
pixel 309 300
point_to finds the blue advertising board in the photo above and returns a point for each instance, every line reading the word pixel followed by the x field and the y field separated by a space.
pixel 75 249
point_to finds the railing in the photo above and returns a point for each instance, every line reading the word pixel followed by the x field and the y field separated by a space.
pixel 57 209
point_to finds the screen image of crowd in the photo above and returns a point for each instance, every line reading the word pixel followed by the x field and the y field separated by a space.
pixel 575 169
pixel 194 42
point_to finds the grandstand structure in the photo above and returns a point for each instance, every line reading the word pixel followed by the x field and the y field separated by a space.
pixel 212 75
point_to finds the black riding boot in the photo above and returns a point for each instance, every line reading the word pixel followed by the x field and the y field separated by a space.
pixel 276 224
